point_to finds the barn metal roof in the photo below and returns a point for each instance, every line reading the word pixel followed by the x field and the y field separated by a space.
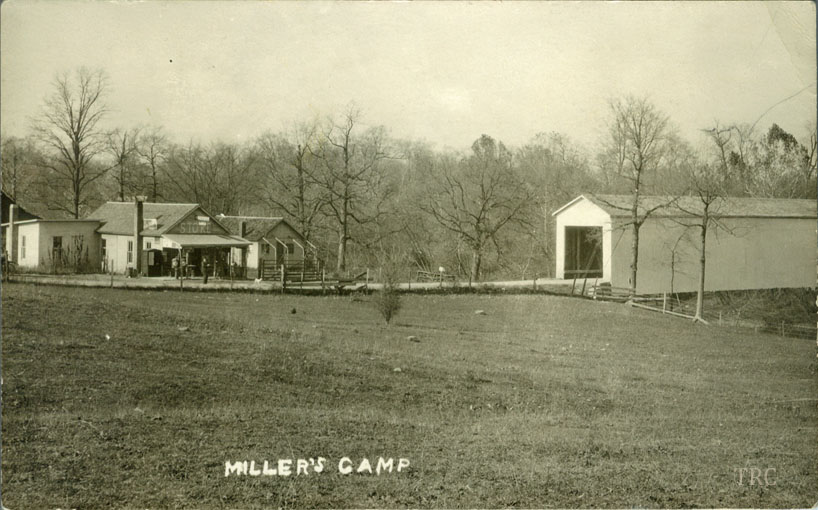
pixel 730 207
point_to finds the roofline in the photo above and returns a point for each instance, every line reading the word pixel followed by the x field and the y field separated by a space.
pixel 213 218
pixel 41 220
pixel 572 202
pixel 143 202
pixel 622 213
pixel 192 206
pixel 251 217
pixel 625 214
pixel 278 221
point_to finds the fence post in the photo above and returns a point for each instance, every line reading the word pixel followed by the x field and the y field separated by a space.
pixel 409 281
pixel 664 302
pixel 535 284
pixel 283 279
pixel 323 276
pixel 367 278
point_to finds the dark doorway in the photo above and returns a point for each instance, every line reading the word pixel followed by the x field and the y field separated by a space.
pixel 583 252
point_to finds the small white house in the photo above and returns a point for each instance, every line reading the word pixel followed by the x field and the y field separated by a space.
pixel 274 243
pixel 756 243
pixel 57 245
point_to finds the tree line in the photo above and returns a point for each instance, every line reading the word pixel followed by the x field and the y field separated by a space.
pixel 361 195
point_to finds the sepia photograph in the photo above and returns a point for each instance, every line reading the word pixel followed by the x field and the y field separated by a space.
pixel 408 254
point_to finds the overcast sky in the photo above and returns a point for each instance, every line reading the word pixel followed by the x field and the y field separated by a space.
pixel 440 71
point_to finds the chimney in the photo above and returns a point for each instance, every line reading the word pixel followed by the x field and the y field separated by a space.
pixel 11 234
pixel 242 228
pixel 137 227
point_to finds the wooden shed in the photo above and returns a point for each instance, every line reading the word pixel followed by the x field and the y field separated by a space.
pixel 755 243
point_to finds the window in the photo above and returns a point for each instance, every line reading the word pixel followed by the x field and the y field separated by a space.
pixel 23 247
pixel 77 242
pixel 290 248
pixel 130 252
pixel 104 250
pixel 56 248
pixel 148 244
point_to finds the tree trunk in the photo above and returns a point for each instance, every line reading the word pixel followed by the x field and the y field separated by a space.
pixel 634 257
pixel 121 184
pixel 476 259
pixel 342 252
pixel 153 184
pixel 76 202
pixel 702 261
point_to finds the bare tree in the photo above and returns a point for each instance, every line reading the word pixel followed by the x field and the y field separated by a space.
pixel 67 127
pixel 19 156
pixel 220 177
pixel 638 135
pixel 475 198
pixel 152 147
pixel 556 170
pixel 287 176
pixel 121 146
pixel 352 178
pixel 701 210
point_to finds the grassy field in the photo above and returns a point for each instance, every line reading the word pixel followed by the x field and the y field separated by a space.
pixel 135 399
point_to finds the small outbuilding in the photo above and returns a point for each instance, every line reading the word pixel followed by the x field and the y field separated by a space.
pixel 753 243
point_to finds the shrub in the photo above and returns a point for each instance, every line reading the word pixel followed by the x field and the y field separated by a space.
pixel 387 301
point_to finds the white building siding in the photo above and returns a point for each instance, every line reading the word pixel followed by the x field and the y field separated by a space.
pixel 117 252
pixel 583 214
pixel 31 258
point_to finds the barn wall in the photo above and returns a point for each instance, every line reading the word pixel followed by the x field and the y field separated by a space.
pixel 583 214
pixel 754 253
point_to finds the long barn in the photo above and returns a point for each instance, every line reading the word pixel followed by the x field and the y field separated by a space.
pixel 754 243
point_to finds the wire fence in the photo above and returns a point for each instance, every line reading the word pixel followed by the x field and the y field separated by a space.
pixel 674 306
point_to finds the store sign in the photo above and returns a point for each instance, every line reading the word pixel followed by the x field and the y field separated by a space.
pixel 194 227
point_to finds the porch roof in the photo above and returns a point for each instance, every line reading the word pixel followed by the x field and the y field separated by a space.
pixel 206 240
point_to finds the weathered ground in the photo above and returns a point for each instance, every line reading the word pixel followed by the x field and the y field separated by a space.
pixel 115 398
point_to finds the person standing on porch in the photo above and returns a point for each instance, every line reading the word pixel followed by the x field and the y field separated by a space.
pixel 204 268
pixel 174 264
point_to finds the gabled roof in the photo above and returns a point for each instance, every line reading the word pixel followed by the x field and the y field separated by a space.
pixel 118 217
pixel 256 227
pixel 618 206
pixel 21 214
